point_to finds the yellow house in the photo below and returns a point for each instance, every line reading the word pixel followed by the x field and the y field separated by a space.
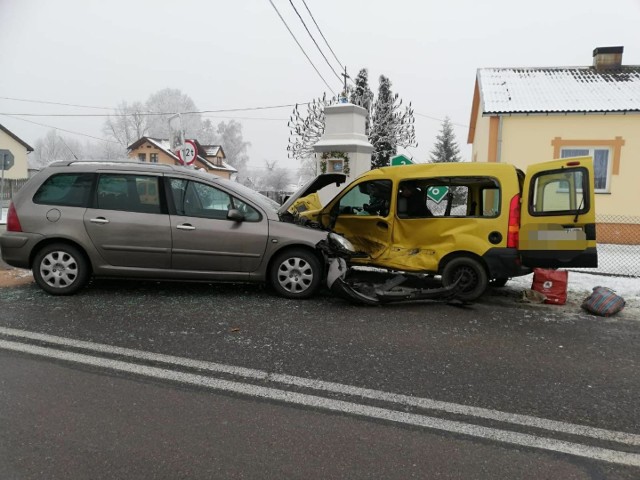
pixel 155 150
pixel 20 149
pixel 528 115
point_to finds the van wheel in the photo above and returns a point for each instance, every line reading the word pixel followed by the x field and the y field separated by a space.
pixel 295 273
pixel 60 269
pixel 473 277
pixel 499 282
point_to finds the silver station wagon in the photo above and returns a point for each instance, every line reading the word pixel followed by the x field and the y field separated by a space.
pixel 75 220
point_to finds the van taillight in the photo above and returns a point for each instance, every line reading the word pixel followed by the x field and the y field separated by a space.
pixel 13 222
pixel 513 231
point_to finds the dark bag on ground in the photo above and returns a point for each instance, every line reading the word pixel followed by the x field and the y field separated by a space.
pixel 603 302
pixel 552 284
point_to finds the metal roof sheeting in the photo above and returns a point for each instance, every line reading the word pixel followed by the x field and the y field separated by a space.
pixel 559 90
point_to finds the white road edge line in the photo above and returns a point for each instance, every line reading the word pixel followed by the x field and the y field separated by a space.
pixel 331 387
pixel 521 439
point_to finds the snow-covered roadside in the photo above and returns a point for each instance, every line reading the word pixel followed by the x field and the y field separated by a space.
pixel 579 287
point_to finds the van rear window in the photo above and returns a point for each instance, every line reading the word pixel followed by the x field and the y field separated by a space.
pixel 65 189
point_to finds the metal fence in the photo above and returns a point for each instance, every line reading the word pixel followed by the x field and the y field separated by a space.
pixel 618 238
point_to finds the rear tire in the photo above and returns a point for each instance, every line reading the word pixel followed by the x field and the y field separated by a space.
pixel 60 269
pixel 295 273
pixel 473 277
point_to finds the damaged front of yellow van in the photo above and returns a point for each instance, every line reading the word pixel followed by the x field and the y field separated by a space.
pixel 462 219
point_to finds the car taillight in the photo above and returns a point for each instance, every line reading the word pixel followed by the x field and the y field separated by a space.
pixel 513 231
pixel 13 222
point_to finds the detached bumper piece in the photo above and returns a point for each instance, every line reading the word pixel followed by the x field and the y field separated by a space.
pixel 377 293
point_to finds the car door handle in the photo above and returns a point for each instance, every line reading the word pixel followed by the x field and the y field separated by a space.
pixel 100 220
pixel 185 226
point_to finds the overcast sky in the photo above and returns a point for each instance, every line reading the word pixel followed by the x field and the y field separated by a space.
pixel 238 54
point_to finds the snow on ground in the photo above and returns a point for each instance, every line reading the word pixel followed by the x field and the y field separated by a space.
pixel 579 287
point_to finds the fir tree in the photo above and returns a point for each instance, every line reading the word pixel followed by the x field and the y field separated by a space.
pixel 446 148
pixel 391 127
pixel 381 131
pixel 362 95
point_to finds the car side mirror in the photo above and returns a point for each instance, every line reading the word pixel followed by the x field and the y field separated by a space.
pixel 235 215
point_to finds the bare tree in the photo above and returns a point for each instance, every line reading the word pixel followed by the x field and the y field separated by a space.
pixel 167 102
pixel 276 178
pixel 229 136
pixel 307 128
pixel 128 124
pixel 53 147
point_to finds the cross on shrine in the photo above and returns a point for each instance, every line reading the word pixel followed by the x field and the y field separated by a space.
pixel 345 76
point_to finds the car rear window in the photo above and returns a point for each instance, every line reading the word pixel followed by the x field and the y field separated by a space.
pixel 65 189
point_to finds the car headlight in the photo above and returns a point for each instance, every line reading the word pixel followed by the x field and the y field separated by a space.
pixel 342 242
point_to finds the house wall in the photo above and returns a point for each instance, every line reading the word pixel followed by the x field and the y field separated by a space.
pixel 480 148
pixel 530 139
pixel 166 159
pixel 148 148
pixel 20 167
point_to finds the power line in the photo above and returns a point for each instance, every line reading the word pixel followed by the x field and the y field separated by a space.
pixel 61 129
pixel 152 114
pixel 305 53
pixel 322 35
pixel 54 103
pixel 314 41
pixel 441 120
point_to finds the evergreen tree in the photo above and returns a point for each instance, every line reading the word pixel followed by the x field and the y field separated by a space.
pixel 362 95
pixel 446 148
pixel 382 130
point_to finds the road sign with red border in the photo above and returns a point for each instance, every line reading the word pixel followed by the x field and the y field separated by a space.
pixel 188 152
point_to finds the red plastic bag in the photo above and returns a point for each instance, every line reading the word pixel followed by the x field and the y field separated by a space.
pixel 552 284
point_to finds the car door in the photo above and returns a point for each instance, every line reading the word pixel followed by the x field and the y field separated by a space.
pixel 130 229
pixel 557 226
pixel 204 239
pixel 362 213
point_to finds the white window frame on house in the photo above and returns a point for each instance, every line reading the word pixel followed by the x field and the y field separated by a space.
pixel 568 151
pixel 153 158
pixel 142 157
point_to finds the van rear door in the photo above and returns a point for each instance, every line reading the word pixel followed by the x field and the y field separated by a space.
pixel 557 226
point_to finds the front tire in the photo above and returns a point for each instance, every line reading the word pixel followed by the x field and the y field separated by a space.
pixel 60 269
pixel 295 273
pixel 473 277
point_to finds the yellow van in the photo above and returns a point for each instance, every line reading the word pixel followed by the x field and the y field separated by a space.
pixel 474 224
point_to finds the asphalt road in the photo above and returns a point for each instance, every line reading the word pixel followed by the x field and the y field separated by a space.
pixel 122 413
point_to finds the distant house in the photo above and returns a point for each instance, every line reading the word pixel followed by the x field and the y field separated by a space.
pixel 17 175
pixel 20 149
pixel 528 115
pixel 156 150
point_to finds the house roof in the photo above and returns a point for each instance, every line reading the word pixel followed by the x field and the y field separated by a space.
pixel 559 90
pixel 212 150
pixel 16 138
pixel 163 144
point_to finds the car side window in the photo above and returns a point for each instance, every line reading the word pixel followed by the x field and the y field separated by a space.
pixel 129 193
pixel 367 198
pixel 196 199
pixel 66 189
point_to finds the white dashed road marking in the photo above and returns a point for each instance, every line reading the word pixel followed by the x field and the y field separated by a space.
pixel 350 407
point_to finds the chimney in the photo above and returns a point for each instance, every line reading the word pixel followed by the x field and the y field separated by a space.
pixel 607 57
